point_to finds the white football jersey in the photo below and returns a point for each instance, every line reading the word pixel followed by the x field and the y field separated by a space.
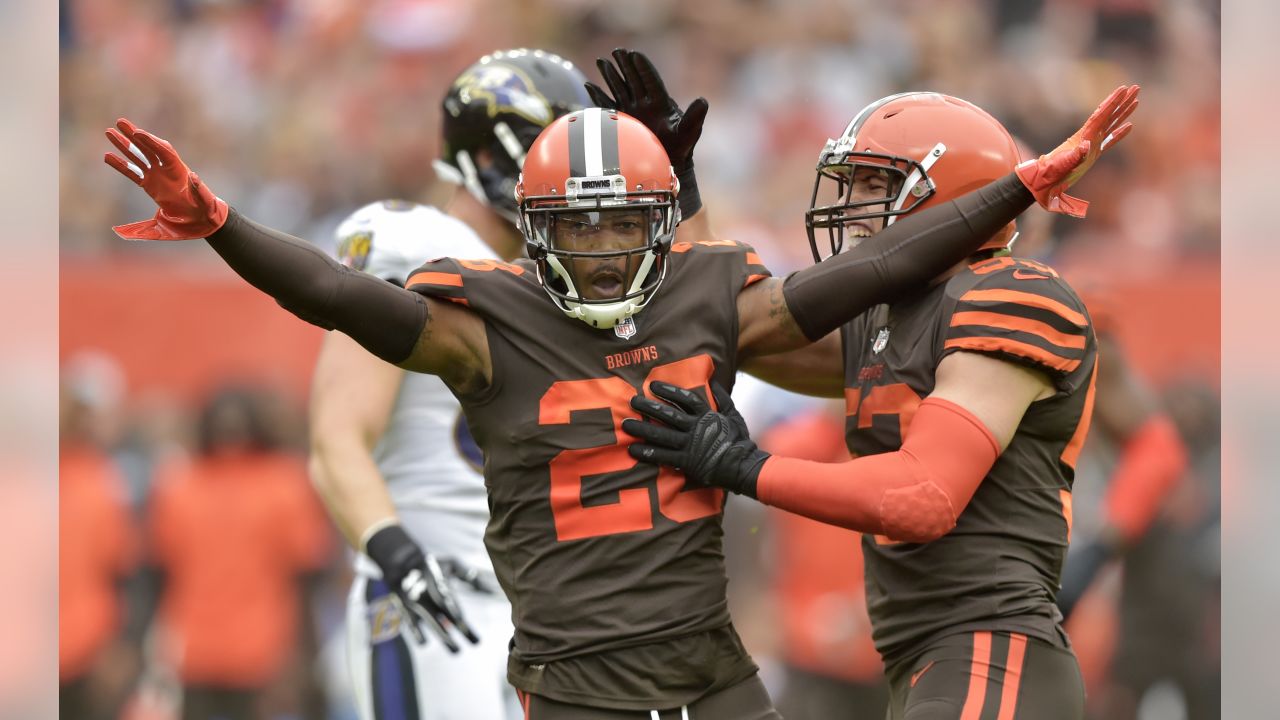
pixel 431 465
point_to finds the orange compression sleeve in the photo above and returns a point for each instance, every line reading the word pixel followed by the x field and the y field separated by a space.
pixel 914 494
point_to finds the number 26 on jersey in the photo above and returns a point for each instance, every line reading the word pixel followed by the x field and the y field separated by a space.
pixel 632 512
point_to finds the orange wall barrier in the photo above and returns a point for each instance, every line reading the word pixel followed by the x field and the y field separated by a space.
pixel 183 328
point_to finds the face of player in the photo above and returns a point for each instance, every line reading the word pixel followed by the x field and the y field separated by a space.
pixel 605 237
pixel 868 183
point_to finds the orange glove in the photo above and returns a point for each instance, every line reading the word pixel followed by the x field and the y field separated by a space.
pixel 188 209
pixel 1049 176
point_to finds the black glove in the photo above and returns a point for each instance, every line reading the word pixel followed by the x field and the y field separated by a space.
pixel 638 91
pixel 712 448
pixel 418 582
pixel 1082 567
pixel 466 575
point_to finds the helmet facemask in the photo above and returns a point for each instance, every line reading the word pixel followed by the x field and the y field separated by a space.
pixel 494 184
pixel 601 252
pixel 902 185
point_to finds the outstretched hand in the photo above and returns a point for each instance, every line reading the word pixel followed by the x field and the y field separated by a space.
pixel 1049 176
pixel 638 91
pixel 712 448
pixel 188 209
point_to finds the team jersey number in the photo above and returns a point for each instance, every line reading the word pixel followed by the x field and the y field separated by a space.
pixel 1024 269
pixel 897 399
pixel 631 512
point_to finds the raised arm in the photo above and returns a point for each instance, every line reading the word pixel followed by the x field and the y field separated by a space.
pixel 776 315
pixel 779 315
pixel 411 331
pixel 638 90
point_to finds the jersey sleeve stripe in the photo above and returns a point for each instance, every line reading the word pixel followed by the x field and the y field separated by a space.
pixel 753 259
pixel 1067 513
pixel 435 278
pixel 753 279
pixel 1048 318
pixel 1025 298
pixel 1014 348
pixel 1071 453
pixel 1019 324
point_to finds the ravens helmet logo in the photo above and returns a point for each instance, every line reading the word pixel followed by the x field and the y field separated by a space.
pixel 504 89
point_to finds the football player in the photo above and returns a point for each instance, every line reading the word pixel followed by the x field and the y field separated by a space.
pixel 967 402
pixel 614 569
pixel 390 450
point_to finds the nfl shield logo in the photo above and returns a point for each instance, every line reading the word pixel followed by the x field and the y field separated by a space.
pixel 625 329
pixel 882 339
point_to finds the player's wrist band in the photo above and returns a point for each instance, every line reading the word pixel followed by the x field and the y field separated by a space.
pixel 690 200
pixel 373 529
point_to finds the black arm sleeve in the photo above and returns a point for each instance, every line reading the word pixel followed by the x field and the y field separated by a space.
pixel 386 320
pixel 902 257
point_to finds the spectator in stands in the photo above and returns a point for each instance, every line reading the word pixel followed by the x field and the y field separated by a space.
pixel 97 546
pixel 234 532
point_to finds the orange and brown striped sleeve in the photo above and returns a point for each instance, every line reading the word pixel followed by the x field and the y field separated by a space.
pixel 756 270
pixel 1030 318
pixel 750 267
pixel 440 279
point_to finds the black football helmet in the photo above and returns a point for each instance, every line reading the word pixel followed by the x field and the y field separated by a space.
pixel 500 104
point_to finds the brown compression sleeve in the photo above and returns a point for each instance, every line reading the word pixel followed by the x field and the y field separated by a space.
pixel 902 257
pixel 386 320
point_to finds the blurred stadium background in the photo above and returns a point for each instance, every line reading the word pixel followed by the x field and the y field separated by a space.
pixel 300 111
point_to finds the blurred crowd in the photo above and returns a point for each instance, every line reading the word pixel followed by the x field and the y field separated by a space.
pixel 197 517
pixel 298 112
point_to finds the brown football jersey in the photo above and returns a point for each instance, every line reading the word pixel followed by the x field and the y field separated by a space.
pixel 614 571
pixel 999 568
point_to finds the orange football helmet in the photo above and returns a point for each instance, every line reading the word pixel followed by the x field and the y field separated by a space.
pixel 930 147
pixel 598 174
